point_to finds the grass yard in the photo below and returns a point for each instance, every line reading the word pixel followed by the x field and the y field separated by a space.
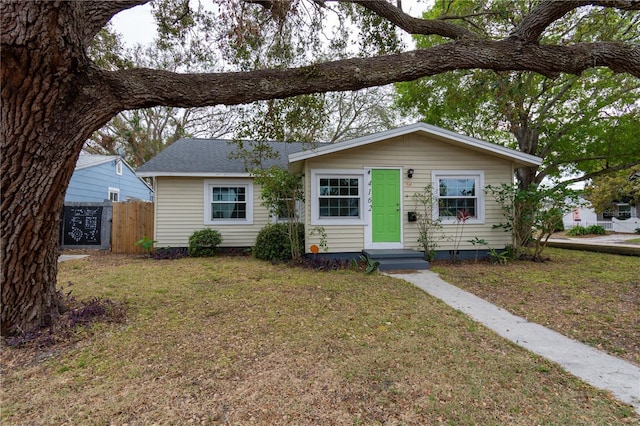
pixel 591 297
pixel 234 341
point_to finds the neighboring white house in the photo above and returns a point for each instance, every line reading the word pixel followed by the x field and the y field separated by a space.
pixel 622 217
pixel 359 191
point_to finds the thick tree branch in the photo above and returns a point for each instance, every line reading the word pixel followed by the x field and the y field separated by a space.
pixel 543 15
pixel 416 25
pixel 547 12
pixel 98 13
pixel 140 88
pixel 602 172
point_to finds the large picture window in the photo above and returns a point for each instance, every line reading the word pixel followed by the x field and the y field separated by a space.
pixel 337 197
pixel 459 194
pixel 228 202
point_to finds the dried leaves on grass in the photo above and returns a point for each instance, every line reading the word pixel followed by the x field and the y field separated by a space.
pixel 591 297
pixel 231 340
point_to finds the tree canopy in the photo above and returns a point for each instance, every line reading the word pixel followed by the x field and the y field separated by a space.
pixel 54 96
pixel 583 125
pixel 621 187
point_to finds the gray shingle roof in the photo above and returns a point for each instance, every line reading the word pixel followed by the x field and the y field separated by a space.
pixel 194 156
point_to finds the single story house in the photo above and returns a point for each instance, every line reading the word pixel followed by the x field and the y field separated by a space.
pixel 360 191
pixel 105 177
pixel 622 217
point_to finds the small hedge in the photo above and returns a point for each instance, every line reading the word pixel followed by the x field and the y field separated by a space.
pixel 204 243
pixel 589 230
pixel 273 242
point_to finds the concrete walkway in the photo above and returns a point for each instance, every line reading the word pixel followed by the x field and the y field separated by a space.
pixel 613 244
pixel 64 257
pixel 594 367
pixel 614 240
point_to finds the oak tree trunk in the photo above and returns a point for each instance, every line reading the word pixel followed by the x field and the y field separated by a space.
pixel 44 122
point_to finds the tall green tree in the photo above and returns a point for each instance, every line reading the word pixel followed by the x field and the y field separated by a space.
pixel 585 124
pixel 54 96
pixel 620 187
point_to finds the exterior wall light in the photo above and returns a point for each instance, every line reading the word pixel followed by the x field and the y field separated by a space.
pixel 410 173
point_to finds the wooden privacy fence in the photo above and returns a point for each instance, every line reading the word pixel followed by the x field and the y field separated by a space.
pixel 131 221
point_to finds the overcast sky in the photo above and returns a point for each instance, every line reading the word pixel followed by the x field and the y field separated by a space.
pixel 136 25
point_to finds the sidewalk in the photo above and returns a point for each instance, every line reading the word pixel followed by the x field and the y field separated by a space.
pixel 615 240
pixel 65 257
pixel 594 367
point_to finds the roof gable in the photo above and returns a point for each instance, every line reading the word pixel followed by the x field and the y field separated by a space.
pixel 92 160
pixel 434 132
pixel 87 161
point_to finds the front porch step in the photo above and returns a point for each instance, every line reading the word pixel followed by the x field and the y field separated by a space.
pixel 391 260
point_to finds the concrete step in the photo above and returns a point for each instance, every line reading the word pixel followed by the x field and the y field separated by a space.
pixel 402 264
pixel 394 260
pixel 394 254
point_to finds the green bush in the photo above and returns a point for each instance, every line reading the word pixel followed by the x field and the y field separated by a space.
pixel 589 230
pixel 596 230
pixel 577 231
pixel 204 243
pixel 273 242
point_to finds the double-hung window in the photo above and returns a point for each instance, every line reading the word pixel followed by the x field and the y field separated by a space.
pixel 337 197
pixel 228 202
pixel 114 194
pixel 459 196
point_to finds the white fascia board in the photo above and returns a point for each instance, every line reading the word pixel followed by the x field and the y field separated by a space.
pixel 194 174
pixel 428 129
pixel 97 162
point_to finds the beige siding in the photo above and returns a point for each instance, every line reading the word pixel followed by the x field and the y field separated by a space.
pixel 424 155
pixel 180 212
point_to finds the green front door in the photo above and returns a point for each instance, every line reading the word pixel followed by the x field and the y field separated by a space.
pixel 385 206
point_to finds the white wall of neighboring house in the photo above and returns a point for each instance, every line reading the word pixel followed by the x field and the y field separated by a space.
pixel 583 216
pixel 586 216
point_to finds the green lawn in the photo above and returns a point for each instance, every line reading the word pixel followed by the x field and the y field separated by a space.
pixel 231 340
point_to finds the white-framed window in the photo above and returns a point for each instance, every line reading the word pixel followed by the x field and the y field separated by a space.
pixel 624 211
pixel 283 211
pixel 228 201
pixel 459 193
pixel 114 194
pixel 337 197
pixel 119 167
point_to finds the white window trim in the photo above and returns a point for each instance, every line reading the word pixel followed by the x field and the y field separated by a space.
pixel 113 191
pixel 299 214
pixel 476 174
pixel 316 174
pixel 119 167
pixel 210 183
